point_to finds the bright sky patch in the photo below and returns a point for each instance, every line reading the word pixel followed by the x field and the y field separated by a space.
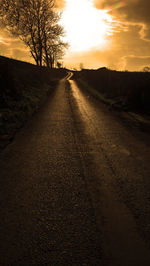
pixel 86 27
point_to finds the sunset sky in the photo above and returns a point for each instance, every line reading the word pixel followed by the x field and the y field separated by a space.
pixel 110 33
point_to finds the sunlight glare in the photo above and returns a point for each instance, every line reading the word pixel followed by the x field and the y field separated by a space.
pixel 86 27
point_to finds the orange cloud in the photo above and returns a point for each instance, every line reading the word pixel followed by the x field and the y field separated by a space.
pixel 13 47
pixel 139 61
pixel 60 3
pixel 126 52
pixel 130 10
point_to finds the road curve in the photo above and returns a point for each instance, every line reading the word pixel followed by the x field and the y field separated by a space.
pixel 74 187
pixel 69 76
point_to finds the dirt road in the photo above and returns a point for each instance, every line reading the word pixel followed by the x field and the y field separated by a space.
pixel 75 187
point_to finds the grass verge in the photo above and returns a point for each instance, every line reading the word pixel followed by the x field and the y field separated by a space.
pixel 111 102
pixel 125 90
pixel 134 116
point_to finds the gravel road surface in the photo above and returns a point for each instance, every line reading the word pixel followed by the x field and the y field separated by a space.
pixel 75 187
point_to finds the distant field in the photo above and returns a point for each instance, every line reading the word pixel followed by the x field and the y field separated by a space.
pixel 129 90
pixel 23 89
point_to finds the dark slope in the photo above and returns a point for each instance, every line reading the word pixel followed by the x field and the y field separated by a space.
pixel 23 89
pixel 128 90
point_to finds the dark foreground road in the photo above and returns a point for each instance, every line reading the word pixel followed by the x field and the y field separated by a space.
pixel 75 188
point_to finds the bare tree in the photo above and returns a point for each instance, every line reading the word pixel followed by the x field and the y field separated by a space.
pixel 35 22
pixel 55 52
pixel 53 45
pixel 59 64
pixel 146 69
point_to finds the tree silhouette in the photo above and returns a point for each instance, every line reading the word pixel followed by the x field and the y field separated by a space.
pixel 35 22
pixel 146 69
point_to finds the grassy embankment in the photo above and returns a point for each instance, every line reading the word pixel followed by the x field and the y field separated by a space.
pixel 23 89
pixel 129 91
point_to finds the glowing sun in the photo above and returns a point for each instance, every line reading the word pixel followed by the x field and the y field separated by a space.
pixel 86 27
